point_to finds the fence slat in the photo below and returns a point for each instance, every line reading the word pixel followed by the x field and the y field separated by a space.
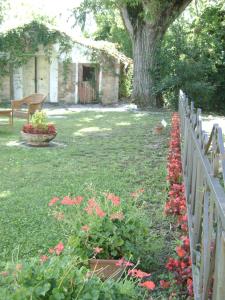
pixel 203 161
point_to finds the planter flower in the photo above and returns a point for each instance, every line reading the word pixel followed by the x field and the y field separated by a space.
pixel 104 227
pixel 39 133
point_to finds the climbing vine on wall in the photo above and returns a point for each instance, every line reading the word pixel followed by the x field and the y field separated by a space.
pixel 18 45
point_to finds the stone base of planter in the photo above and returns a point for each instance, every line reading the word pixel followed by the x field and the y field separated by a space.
pixel 106 268
pixel 37 140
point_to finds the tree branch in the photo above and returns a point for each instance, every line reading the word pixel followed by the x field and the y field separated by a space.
pixel 127 21
pixel 170 13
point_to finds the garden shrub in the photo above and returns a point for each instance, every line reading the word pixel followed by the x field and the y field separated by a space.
pixel 61 277
pixel 192 59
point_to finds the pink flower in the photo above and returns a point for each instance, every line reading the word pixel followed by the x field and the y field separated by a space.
pixel 77 200
pixel 148 284
pixel 117 216
pixel 59 248
pixel 85 228
pixel 123 263
pixel 98 250
pixel 138 273
pixel 100 212
pixel 115 199
pixel 92 203
pixel 53 201
pixel 43 258
pixel 67 201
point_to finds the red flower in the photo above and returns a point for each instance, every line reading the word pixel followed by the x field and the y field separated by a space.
pixel 115 199
pixel 138 273
pixel 53 201
pixel 100 212
pixel 92 203
pixel 123 263
pixel 150 285
pixel 59 248
pixel 43 258
pixel 67 201
pixel 180 251
pixel 164 284
pixel 77 200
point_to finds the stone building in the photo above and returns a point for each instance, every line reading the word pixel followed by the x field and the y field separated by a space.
pixel 90 75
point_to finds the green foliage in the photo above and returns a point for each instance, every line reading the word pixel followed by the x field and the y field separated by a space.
pixel 125 87
pixel 19 45
pixel 110 27
pixel 61 277
pixel 39 118
pixel 192 58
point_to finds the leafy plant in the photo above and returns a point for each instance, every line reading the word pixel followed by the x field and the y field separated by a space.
pixel 61 277
pixel 39 124
pixel 104 226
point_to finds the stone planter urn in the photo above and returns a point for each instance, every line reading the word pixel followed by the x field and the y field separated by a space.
pixel 37 139
pixel 106 268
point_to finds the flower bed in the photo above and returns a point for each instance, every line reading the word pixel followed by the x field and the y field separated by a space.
pixel 180 265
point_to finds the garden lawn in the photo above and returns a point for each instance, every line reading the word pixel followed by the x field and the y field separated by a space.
pixel 100 151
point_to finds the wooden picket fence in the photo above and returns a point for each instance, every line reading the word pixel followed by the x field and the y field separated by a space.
pixel 203 160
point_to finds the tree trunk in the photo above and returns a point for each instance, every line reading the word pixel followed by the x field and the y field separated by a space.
pixel 146 35
pixel 146 44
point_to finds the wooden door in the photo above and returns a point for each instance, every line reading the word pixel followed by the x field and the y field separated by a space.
pixel 88 83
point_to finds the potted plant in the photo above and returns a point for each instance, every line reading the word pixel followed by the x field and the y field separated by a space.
pixel 104 229
pixel 39 132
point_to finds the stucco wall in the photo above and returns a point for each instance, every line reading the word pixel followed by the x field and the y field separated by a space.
pixel 110 81
pixel 66 83
pixel 28 78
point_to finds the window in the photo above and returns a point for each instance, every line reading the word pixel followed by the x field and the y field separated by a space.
pixel 88 73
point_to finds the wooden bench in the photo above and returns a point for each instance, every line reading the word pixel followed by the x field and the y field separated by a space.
pixel 27 106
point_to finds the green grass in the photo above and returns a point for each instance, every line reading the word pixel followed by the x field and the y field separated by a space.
pixel 110 151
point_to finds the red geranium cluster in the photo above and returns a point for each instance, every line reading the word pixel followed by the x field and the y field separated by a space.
pixel 174 159
pixel 176 205
pixel 48 129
